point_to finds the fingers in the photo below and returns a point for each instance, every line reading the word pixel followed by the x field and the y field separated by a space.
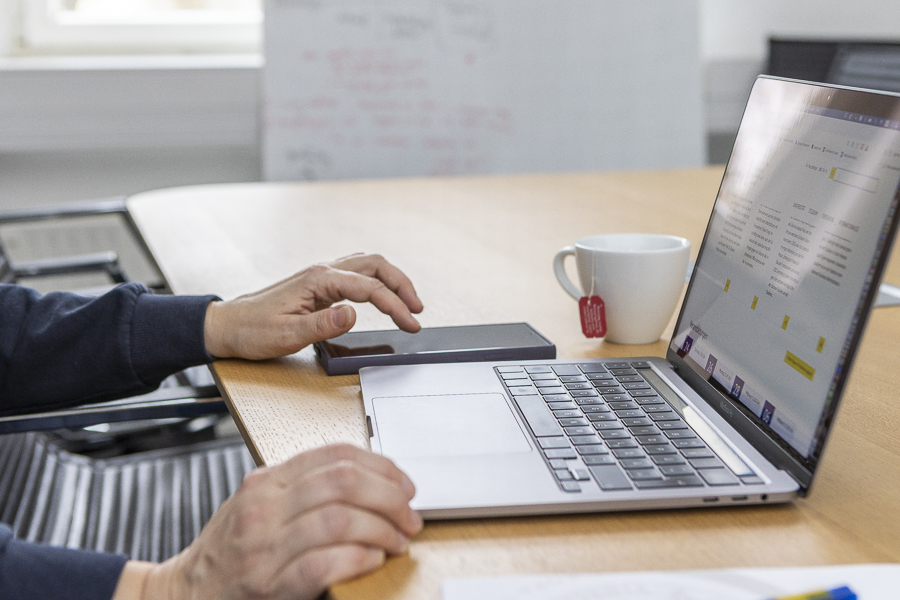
pixel 344 476
pixel 348 483
pixel 326 455
pixel 374 265
pixel 291 530
pixel 347 508
pixel 320 325
pixel 297 311
pixel 336 523
pixel 344 473
pixel 357 287
pixel 323 567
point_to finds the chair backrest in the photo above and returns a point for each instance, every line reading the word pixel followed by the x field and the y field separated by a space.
pixel 6 272
pixel 149 505
pixel 866 64
pixel 187 394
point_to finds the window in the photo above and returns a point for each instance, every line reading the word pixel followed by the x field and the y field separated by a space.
pixel 129 26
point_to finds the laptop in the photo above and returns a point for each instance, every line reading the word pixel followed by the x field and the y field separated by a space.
pixel 740 409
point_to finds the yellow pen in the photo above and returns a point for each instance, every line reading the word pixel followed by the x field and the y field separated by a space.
pixel 841 593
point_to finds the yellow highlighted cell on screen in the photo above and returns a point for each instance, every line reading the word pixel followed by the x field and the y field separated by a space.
pixel 727 284
pixel 833 173
pixel 799 366
pixel 820 345
pixel 785 322
pixel 753 304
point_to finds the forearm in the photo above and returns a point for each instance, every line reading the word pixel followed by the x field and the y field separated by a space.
pixel 62 349
pixel 37 572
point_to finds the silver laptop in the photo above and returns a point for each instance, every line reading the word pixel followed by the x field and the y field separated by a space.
pixel 740 409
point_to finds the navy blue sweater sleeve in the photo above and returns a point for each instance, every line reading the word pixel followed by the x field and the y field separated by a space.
pixel 62 349
pixel 33 571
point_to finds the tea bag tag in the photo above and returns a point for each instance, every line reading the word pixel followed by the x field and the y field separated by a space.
pixel 592 309
pixel 593 316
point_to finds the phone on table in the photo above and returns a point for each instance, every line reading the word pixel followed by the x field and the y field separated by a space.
pixel 348 353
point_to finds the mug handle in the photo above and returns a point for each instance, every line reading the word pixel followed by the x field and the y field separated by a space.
pixel 560 270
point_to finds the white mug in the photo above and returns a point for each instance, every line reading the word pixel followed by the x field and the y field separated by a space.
pixel 639 277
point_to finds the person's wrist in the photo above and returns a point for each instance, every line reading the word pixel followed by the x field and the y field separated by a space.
pixel 159 583
pixel 133 581
pixel 214 330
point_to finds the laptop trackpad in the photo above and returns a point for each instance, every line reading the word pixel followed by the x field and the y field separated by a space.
pixel 452 425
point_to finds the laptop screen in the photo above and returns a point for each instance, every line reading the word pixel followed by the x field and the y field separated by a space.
pixel 792 255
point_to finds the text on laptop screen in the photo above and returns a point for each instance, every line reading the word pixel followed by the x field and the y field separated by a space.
pixel 790 253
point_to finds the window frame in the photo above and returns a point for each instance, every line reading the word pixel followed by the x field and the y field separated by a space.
pixel 45 28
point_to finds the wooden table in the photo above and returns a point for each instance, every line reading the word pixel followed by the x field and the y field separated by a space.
pixel 480 250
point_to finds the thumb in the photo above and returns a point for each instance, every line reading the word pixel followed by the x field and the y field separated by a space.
pixel 325 324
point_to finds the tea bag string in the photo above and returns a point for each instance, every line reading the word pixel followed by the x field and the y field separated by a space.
pixel 593 276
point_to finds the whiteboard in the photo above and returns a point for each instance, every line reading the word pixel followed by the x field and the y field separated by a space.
pixel 383 88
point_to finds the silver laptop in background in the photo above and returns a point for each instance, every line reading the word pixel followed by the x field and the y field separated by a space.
pixel 740 409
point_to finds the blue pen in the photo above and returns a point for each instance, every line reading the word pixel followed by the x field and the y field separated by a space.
pixel 841 593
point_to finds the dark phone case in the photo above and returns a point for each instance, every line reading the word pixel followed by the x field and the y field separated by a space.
pixel 350 365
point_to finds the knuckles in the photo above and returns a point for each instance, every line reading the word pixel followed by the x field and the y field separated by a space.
pixel 314 568
pixel 377 286
pixel 258 585
pixel 258 480
pixel 252 505
pixel 324 568
pixel 248 521
pixel 317 269
pixel 345 477
pixel 340 451
pixel 375 258
pixel 254 536
pixel 336 522
pixel 359 257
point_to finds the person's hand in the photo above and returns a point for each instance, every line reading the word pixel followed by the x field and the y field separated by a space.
pixel 294 313
pixel 289 532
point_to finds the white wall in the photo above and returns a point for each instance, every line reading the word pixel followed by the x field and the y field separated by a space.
pixel 221 145
pixel 75 128
pixel 40 178
pixel 9 14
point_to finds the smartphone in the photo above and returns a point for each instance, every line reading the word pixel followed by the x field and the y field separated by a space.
pixel 350 352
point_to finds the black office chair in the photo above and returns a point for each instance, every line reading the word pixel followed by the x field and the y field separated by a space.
pixel 148 505
pixel 184 395
pixel 139 476
pixel 106 262
pixel 857 63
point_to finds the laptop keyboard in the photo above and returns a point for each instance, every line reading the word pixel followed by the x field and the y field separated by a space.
pixel 607 423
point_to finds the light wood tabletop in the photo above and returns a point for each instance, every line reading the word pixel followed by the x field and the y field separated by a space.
pixel 480 250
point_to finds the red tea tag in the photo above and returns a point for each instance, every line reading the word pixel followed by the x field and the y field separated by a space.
pixel 593 316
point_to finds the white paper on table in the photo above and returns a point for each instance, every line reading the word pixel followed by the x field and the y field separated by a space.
pixel 868 581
